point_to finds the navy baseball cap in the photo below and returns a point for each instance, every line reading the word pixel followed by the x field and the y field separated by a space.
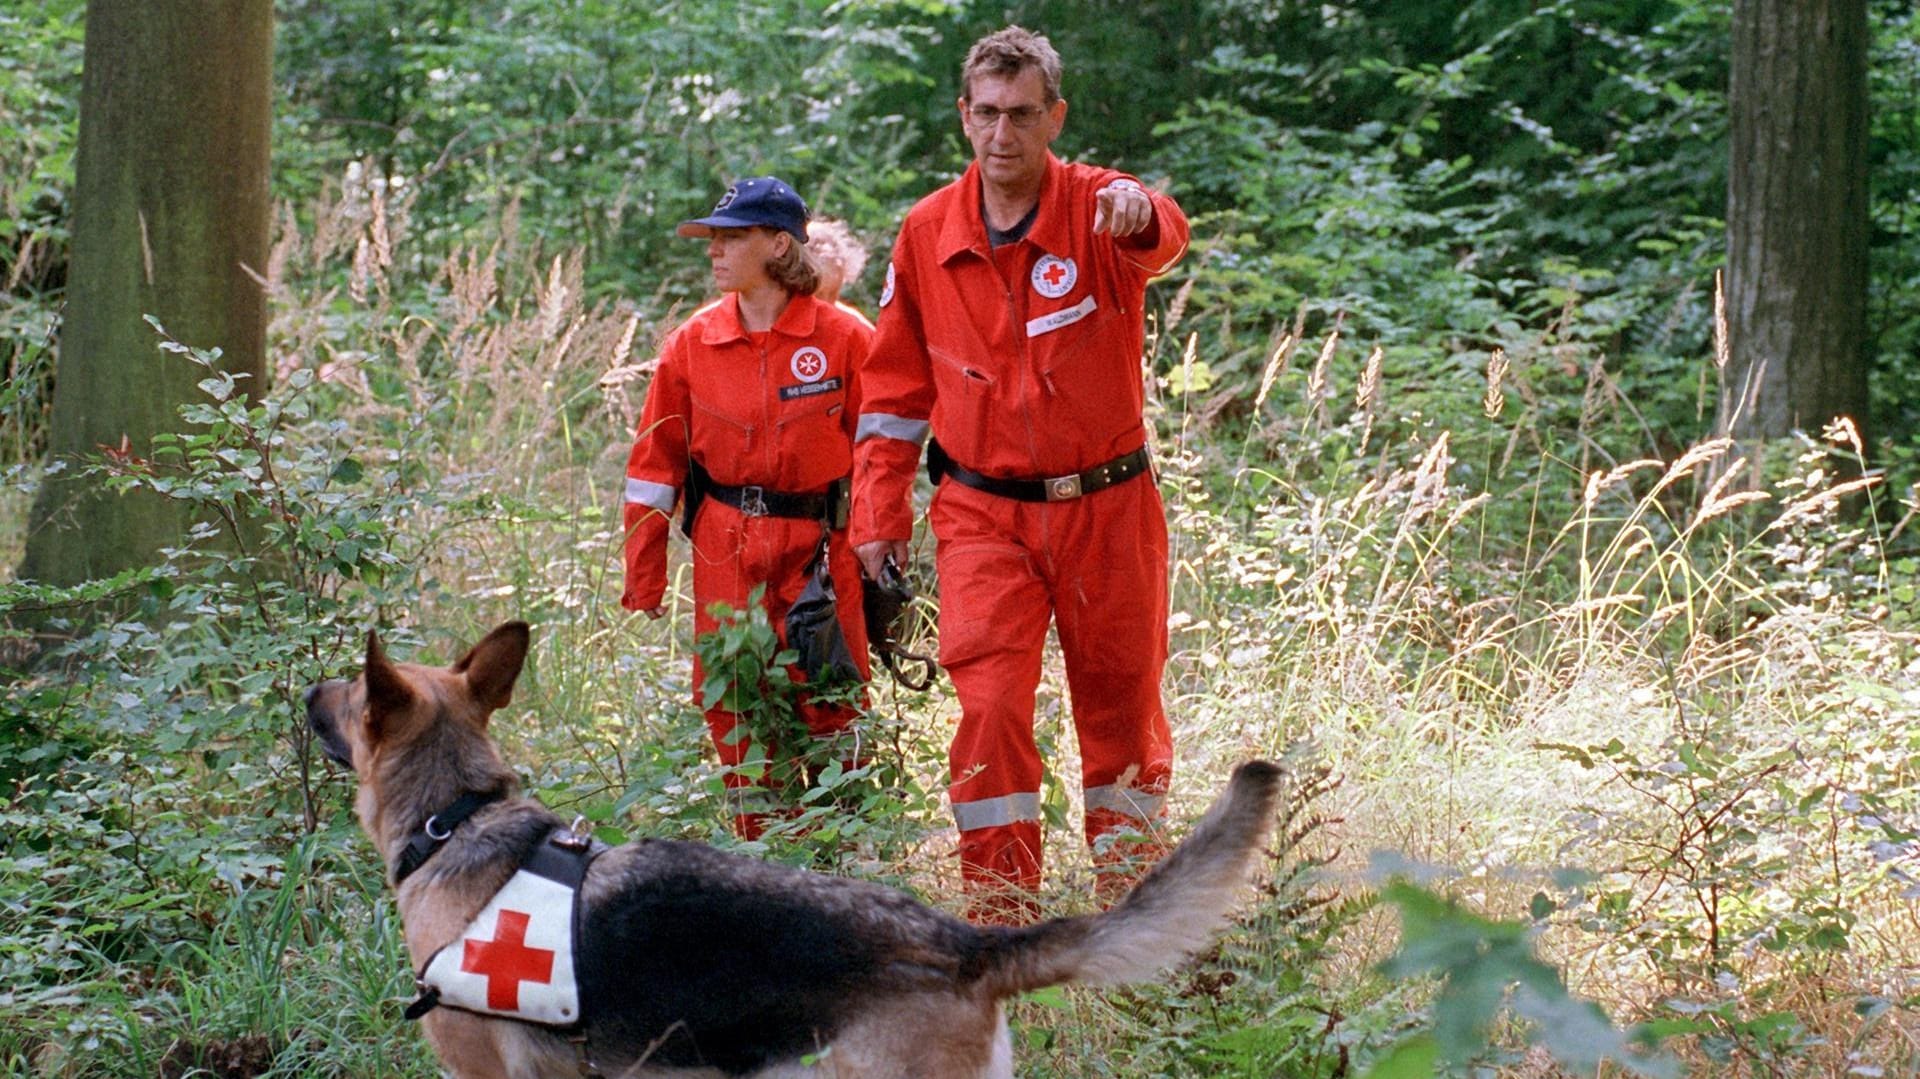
pixel 757 201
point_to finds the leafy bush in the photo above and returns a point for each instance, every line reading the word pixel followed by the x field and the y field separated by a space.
pixel 1479 962
pixel 859 789
pixel 169 772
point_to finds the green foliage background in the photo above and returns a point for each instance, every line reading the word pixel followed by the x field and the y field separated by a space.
pixel 1421 570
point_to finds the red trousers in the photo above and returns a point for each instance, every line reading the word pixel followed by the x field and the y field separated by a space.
pixel 733 553
pixel 1096 567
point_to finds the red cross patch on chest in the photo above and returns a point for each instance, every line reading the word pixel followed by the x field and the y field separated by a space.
pixel 1054 277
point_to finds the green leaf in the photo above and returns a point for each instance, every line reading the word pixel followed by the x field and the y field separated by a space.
pixel 1413 1058
pixel 1542 907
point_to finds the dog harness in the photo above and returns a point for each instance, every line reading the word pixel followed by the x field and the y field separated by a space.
pixel 515 959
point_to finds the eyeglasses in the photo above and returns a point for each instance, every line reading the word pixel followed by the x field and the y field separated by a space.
pixel 988 116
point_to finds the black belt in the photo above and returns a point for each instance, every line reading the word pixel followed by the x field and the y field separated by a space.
pixel 1052 489
pixel 753 500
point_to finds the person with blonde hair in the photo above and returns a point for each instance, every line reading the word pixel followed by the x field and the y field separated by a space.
pixel 840 257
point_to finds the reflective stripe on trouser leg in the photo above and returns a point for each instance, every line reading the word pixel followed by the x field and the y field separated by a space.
pixel 993 624
pixel 1000 840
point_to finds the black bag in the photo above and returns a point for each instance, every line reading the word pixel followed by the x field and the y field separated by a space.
pixel 813 627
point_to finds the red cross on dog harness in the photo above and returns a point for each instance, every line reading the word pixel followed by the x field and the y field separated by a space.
pixel 515 958
pixel 506 961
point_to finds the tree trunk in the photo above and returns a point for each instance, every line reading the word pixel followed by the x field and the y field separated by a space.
pixel 1797 228
pixel 170 218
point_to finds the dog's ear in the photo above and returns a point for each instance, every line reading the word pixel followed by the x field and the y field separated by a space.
pixel 493 665
pixel 387 690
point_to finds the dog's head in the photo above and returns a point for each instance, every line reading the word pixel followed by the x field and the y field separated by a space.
pixel 375 723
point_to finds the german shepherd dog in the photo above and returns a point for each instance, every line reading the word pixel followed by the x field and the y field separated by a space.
pixel 695 962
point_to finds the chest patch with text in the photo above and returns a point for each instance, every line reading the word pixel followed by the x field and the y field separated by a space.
pixel 810 389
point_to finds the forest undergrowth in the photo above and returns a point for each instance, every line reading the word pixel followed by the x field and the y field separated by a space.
pixel 1650 713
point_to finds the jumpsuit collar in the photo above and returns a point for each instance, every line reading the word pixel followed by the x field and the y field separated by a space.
pixel 964 231
pixel 724 325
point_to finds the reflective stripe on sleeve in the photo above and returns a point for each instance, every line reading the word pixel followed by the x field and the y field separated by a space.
pixel 1128 800
pixel 659 496
pixel 887 425
pixel 992 812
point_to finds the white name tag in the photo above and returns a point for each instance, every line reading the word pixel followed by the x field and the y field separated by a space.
pixel 1064 317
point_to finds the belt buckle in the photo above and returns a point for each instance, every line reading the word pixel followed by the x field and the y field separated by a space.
pixel 1063 488
pixel 753 500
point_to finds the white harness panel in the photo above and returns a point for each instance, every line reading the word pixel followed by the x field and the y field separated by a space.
pixel 515 959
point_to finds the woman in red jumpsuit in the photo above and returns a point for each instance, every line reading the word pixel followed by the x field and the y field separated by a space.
pixel 752 406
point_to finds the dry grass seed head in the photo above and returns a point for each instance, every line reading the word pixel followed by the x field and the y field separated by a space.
pixel 1367 393
pixel 1460 512
pixel 1599 482
pixel 1718 503
pixel 1177 309
pixel 1841 430
pixel 1317 378
pixel 1597 393
pixel 1430 478
pixel 1698 454
pixel 285 246
pixel 555 300
pixel 1496 398
pixel 473 286
pixel 362 270
pixel 1820 502
pixel 1188 356
pixel 340 218
pixel 1276 365
pixel 1723 506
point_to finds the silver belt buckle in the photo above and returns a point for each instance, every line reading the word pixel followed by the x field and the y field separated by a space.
pixel 1063 488
pixel 753 501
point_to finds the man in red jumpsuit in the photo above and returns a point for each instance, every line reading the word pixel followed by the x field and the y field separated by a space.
pixel 1010 329
pixel 751 413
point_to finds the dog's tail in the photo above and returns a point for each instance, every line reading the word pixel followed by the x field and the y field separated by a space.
pixel 1168 916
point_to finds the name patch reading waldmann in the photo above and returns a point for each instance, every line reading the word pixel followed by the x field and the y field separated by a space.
pixel 810 389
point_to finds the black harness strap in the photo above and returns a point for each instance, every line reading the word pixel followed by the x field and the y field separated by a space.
pixel 438 829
